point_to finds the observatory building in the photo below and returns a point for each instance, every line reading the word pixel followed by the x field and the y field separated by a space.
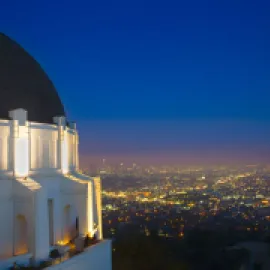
pixel 45 200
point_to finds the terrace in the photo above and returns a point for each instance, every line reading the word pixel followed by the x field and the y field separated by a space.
pixel 95 253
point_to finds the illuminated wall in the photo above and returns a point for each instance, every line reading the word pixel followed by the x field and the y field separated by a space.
pixel 98 206
pixel 39 162
pixel 43 146
pixel 29 147
pixel 90 214
pixel 71 142
pixel 64 153
pixel 4 145
pixel 21 160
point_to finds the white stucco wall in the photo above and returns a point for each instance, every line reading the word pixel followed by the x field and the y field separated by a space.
pixel 23 206
pixel 75 195
pixel 71 141
pixel 65 192
pixel 38 179
pixel 98 257
pixel 6 223
pixel 43 156
pixel 4 145
pixel 43 147
pixel 15 200
pixel 43 140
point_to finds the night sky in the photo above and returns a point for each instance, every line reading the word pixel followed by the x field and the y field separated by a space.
pixel 155 82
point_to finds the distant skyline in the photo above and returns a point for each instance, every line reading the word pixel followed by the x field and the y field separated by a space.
pixel 190 142
pixel 156 82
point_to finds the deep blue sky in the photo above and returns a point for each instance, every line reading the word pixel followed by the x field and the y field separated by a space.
pixel 181 81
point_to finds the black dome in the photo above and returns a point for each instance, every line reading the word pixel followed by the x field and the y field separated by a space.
pixel 24 84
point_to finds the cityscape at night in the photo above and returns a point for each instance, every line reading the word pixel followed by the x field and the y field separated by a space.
pixel 220 197
pixel 230 202
pixel 135 135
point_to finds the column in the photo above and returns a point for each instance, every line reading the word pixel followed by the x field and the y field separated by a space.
pixel 20 143
pixel 75 141
pixel 41 245
pixel 98 206
pixel 89 209
pixel 62 144
pixel 76 151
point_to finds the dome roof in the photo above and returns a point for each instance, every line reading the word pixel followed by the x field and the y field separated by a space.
pixel 24 84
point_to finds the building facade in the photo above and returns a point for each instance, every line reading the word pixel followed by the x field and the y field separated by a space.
pixel 45 199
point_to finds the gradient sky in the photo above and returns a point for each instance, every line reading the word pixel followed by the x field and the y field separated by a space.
pixel 156 81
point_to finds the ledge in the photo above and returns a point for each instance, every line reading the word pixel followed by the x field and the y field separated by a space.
pixel 97 256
